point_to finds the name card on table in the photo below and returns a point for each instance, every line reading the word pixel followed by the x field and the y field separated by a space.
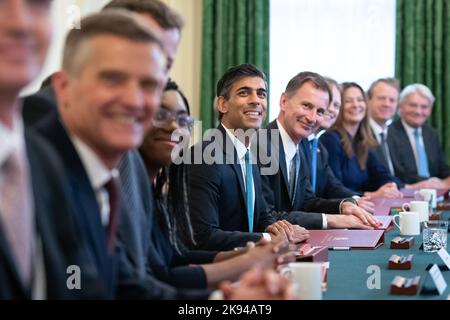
pixel 445 257
pixel 438 280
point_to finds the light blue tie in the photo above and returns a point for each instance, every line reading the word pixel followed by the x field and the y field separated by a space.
pixel 421 155
pixel 314 144
pixel 249 191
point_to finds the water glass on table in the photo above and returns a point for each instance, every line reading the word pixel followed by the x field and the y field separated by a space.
pixel 434 235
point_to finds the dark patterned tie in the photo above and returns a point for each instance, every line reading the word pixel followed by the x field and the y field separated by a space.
pixel 293 174
pixel 385 151
pixel 314 144
pixel 113 192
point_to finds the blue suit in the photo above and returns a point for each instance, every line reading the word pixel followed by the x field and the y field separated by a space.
pixel 306 206
pixel 348 170
pixel 117 272
pixel 327 185
pixel 403 156
pixel 55 226
pixel 217 199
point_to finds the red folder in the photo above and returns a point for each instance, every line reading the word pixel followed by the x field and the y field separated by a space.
pixel 383 206
pixel 355 239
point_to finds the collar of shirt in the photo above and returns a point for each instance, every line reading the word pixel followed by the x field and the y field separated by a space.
pixel 290 148
pixel 97 172
pixel 241 149
pixel 410 130
pixel 377 129
pixel 11 139
pixel 316 135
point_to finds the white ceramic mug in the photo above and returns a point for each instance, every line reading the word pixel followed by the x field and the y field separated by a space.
pixel 409 223
pixel 306 278
pixel 422 207
pixel 429 195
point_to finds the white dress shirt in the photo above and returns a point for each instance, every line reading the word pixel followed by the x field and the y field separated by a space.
pixel 11 139
pixel 98 175
pixel 377 129
pixel 290 148
pixel 412 139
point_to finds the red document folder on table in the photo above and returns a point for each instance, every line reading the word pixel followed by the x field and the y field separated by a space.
pixel 355 239
pixel 383 206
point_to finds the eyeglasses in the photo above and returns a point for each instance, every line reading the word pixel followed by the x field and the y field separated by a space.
pixel 164 117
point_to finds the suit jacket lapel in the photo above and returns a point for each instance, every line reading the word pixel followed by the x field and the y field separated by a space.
pixel 306 150
pixel 5 251
pixel 427 138
pixel 232 159
pixel 282 155
pixel 257 186
pixel 82 191
pixel 409 149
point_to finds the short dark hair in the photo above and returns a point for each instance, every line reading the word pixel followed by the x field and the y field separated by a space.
pixel 173 86
pixel 308 77
pixel 162 13
pixel 389 81
pixel 115 22
pixel 235 74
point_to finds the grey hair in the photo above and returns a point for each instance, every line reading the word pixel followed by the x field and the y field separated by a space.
pixel 116 22
pixel 418 88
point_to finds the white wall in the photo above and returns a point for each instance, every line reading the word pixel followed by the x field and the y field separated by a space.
pixel 349 40
pixel 187 67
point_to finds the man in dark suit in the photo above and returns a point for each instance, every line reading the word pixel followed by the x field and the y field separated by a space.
pixel 382 100
pixel 289 189
pixel 97 125
pixel 38 236
pixel 168 24
pixel 323 181
pixel 415 147
pixel 107 95
pixel 226 201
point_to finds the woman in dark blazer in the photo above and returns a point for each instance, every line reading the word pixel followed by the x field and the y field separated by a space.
pixel 349 143
pixel 172 236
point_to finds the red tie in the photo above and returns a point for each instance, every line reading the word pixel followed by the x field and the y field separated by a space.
pixel 113 192
pixel 16 213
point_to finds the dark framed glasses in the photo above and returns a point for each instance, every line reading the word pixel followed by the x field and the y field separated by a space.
pixel 164 117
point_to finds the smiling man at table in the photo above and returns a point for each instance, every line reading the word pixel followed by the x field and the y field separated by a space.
pixel 302 106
